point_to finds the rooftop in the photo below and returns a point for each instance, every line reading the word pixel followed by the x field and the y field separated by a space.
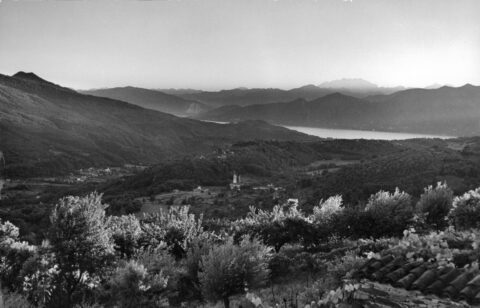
pixel 457 284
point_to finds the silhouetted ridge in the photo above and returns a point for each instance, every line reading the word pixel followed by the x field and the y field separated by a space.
pixel 30 82
pixel 29 76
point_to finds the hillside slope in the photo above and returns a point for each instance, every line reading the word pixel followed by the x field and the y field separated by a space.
pixel 49 129
pixel 152 99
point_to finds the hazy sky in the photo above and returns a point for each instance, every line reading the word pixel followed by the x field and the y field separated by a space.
pixel 214 44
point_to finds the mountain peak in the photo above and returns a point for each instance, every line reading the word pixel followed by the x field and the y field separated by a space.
pixel 467 86
pixel 308 87
pixel 32 81
pixel 348 83
pixel 28 76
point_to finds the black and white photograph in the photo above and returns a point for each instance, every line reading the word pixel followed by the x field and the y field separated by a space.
pixel 239 153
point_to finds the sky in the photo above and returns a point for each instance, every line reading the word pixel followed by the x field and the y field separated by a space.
pixel 220 44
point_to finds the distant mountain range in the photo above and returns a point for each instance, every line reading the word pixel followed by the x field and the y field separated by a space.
pixel 244 97
pixel 190 102
pixel 444 111
pixel 49 129
pixel 358 87
pixel 353 84
pixel 177 92
pixel 152 99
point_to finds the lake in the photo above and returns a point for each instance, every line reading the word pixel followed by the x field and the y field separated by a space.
pixel 358 134
pixel 353 133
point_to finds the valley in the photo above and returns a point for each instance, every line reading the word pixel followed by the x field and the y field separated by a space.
pixel 303 193
pixel 239 154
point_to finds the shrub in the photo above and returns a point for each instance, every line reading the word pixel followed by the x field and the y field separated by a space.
pixel 355 222
pixel 177 228
pixel 324 212
pixel 280 226
pixel 160 262
pixel 435 204
pixel 228 269
pixel 13 255
pixel 41 277
pixel 13 258
pixel 133 286
pixel 14 300
pixel 8 233
pixel 390 213
pixel 279 266
pixel 303 231
pixel 126 233
pixel 465 213
pixel 343 267
pixel 189 287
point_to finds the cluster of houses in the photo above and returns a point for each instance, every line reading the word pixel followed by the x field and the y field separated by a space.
pixel 276 191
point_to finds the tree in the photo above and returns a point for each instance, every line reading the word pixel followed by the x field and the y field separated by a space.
pixel 175 227
pixel 465 213
pixel 434 204
pixel 229 269
pixel 82 245
pixel 126 233
pixel 390 212
pixel 13 255
pixel 324 212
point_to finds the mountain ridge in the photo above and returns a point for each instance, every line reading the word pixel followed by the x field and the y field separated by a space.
pixel 444 111
pixel 47 129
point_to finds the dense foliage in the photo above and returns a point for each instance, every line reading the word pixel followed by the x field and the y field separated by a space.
pixel 228 269
pixel 169 258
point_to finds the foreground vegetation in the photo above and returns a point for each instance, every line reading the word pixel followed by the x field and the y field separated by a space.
pixel 282 256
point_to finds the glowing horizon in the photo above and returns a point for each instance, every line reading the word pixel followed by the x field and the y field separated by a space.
pixel 224 44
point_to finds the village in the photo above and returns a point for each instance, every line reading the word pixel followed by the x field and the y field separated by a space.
pixel 218 201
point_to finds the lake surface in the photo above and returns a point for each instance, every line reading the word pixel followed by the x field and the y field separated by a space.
pixel 353 133
pixel 359 134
